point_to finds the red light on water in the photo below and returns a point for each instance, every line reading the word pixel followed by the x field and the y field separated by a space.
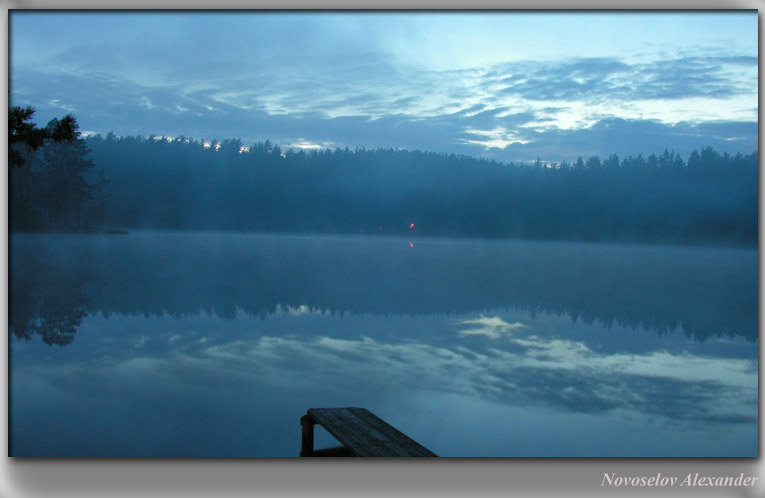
pixel 411 245
pixel 411 226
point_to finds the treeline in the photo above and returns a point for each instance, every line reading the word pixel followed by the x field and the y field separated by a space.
pixel 189 184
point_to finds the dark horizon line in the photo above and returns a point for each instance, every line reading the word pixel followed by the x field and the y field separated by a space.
pixel 408 236
pixel 358 148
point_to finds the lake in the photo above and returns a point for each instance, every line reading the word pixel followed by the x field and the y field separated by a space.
pixel 179 344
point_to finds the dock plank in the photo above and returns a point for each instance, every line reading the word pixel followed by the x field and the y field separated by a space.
pixel 366 435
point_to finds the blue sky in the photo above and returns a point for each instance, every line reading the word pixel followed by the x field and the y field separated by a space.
pixel 511 86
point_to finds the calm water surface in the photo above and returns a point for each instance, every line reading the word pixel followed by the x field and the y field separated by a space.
pixel 200 344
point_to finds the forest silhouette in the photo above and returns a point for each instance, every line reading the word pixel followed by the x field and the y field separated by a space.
pixel 182 183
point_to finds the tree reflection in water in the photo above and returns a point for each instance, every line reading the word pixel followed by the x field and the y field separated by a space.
pixel 57 280
pixel 48 298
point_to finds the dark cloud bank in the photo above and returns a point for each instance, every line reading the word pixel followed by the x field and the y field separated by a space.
pixel 385 117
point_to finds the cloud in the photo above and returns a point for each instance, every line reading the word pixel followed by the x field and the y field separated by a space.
pixel 523 370
pixel 491 327
pixel 318 90
pixel 606 79
pixel 632 137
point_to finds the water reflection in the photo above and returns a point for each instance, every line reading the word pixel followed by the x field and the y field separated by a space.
pixel 49 298
pixel 170 387
pixel 56 280
pixel 521 369
pixel 215 345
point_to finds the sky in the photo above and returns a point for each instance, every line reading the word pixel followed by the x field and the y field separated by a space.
pixel 511 86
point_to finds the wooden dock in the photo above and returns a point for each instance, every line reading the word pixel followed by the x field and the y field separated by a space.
pixel 361 433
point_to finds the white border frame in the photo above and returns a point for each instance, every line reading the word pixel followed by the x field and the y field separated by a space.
pixel 301 477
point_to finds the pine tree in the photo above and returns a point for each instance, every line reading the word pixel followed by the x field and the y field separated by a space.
pixel 25 135
pixel 67 166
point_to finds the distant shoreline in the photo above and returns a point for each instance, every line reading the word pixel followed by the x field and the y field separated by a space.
pixel 76 231
pixel 403 236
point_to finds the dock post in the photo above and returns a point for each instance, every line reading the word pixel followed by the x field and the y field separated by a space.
pixel 307 448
